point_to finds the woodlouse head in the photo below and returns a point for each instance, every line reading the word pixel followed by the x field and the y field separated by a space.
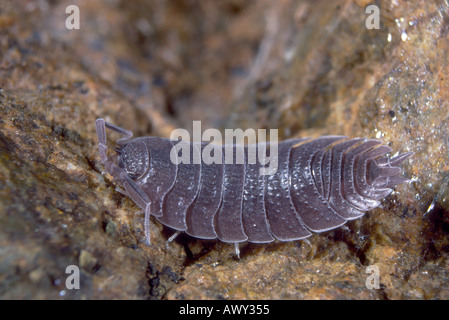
pixel 134 159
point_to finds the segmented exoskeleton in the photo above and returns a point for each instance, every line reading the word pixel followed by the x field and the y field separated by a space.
pixel 319 185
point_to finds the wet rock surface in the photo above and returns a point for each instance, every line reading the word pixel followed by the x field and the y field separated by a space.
pixel 307 68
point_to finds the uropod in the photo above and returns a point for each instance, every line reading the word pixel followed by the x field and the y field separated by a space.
pixel 319 185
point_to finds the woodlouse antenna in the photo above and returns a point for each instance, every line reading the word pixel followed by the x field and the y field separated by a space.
pixel 131 188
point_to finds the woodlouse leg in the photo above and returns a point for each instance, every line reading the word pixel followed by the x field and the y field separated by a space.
pixel 306 241
pixel 237 249
pixel 146 226
pixel 174 236
pixel 122 191
pixel 140 198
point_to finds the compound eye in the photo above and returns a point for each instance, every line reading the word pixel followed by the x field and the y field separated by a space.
pixel 135 159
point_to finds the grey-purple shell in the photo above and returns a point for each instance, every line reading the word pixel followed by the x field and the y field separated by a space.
pixel 319 185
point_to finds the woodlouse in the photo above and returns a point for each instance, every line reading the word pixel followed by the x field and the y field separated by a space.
pixel 319 185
